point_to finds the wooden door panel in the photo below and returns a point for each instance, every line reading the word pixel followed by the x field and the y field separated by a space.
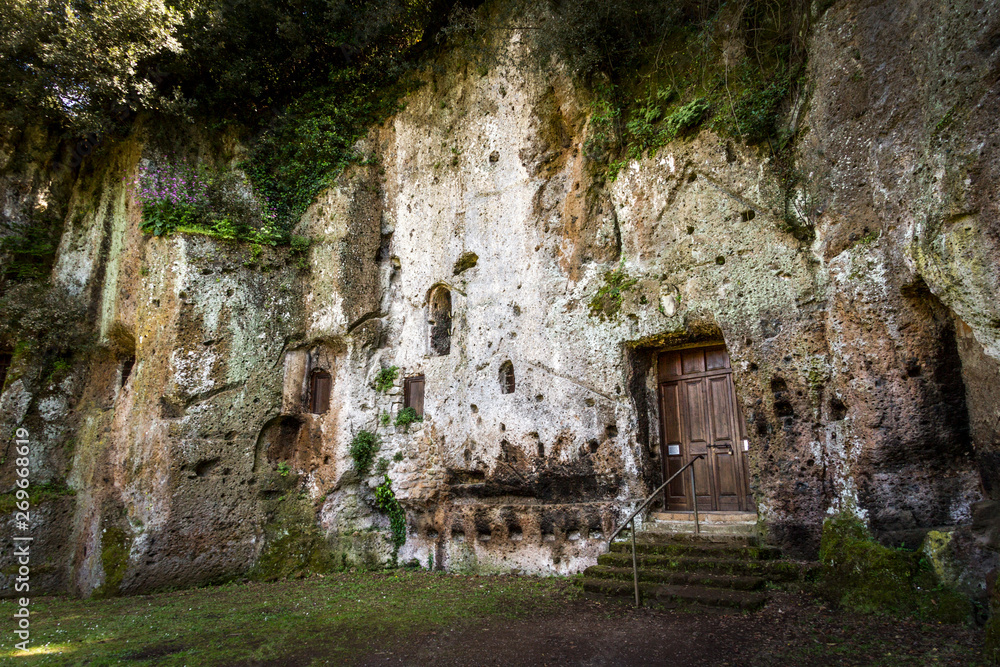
pixel 722 426
pixel 669 366
pixel 692 361
pixel 699 435
pixel 673 443
pixel 695 413
pixel 716 359
pixel 724 460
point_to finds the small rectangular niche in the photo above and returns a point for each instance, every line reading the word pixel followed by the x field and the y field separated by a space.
pixel 319 392
pixel 413 394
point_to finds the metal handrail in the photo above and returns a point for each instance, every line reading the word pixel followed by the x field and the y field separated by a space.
pixel 644 505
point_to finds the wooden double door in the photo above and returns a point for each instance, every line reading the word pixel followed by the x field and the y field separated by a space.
pixel 699 415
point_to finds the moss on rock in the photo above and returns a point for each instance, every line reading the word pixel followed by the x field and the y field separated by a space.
pixel 861 574
pixel 293 545
pixel 115 547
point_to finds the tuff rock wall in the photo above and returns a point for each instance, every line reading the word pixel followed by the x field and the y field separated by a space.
pixel 856 293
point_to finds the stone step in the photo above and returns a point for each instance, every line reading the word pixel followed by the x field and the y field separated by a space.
pixel 773 569
pixel 688 527
pixel 705 579
pixel 691 538
pixel 678 595
pixel 706 517
pixel 700 550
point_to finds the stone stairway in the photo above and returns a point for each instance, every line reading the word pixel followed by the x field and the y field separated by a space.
pixel 717 568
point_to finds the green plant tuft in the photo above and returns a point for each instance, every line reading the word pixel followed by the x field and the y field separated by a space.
pixel 686 118
pixel 385 501
pixel 406 417
pixel 385 379
pixel 363 448
pixel 606 303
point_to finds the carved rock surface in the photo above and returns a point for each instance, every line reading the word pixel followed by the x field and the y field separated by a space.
pixel 866 360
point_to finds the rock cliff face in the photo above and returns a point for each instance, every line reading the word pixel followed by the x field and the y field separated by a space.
pixel 856 291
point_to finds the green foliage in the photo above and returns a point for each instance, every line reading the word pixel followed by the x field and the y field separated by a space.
pixel 863 575
pixel 363 448
pixel 305 148
pixel 385 379
pixel 284 468
pixel 397 457
pixel 299 243
pixel 382 465
pixel 606 39
pixel 660 70
pixel 164 217
pixel 80 64
pixel 406 417
pixel 178 196
pixel 608 300
pixel 686 117
pixel 386 502
pixel 755 113
pixel 385 419
pixel 30 250
pixel 603 130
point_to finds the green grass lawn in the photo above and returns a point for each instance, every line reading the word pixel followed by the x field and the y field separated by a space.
pixel 418 617
pixel 225 625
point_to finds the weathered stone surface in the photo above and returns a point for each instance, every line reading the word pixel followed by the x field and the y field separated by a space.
pixel 858 305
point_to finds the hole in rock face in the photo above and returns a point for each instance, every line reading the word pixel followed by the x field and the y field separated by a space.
pixel 516 534
pixel 748 215
pixel 507 377
pixel 202 468
pixel 593 446
pixel 284 440
pixel 439 319
pixel 127 364
pixel 541 450
pixel 720 260
pixel 837 409
pixel 690 230
pixel 611 430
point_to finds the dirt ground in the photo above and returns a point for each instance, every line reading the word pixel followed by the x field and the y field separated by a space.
pixel 792 630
